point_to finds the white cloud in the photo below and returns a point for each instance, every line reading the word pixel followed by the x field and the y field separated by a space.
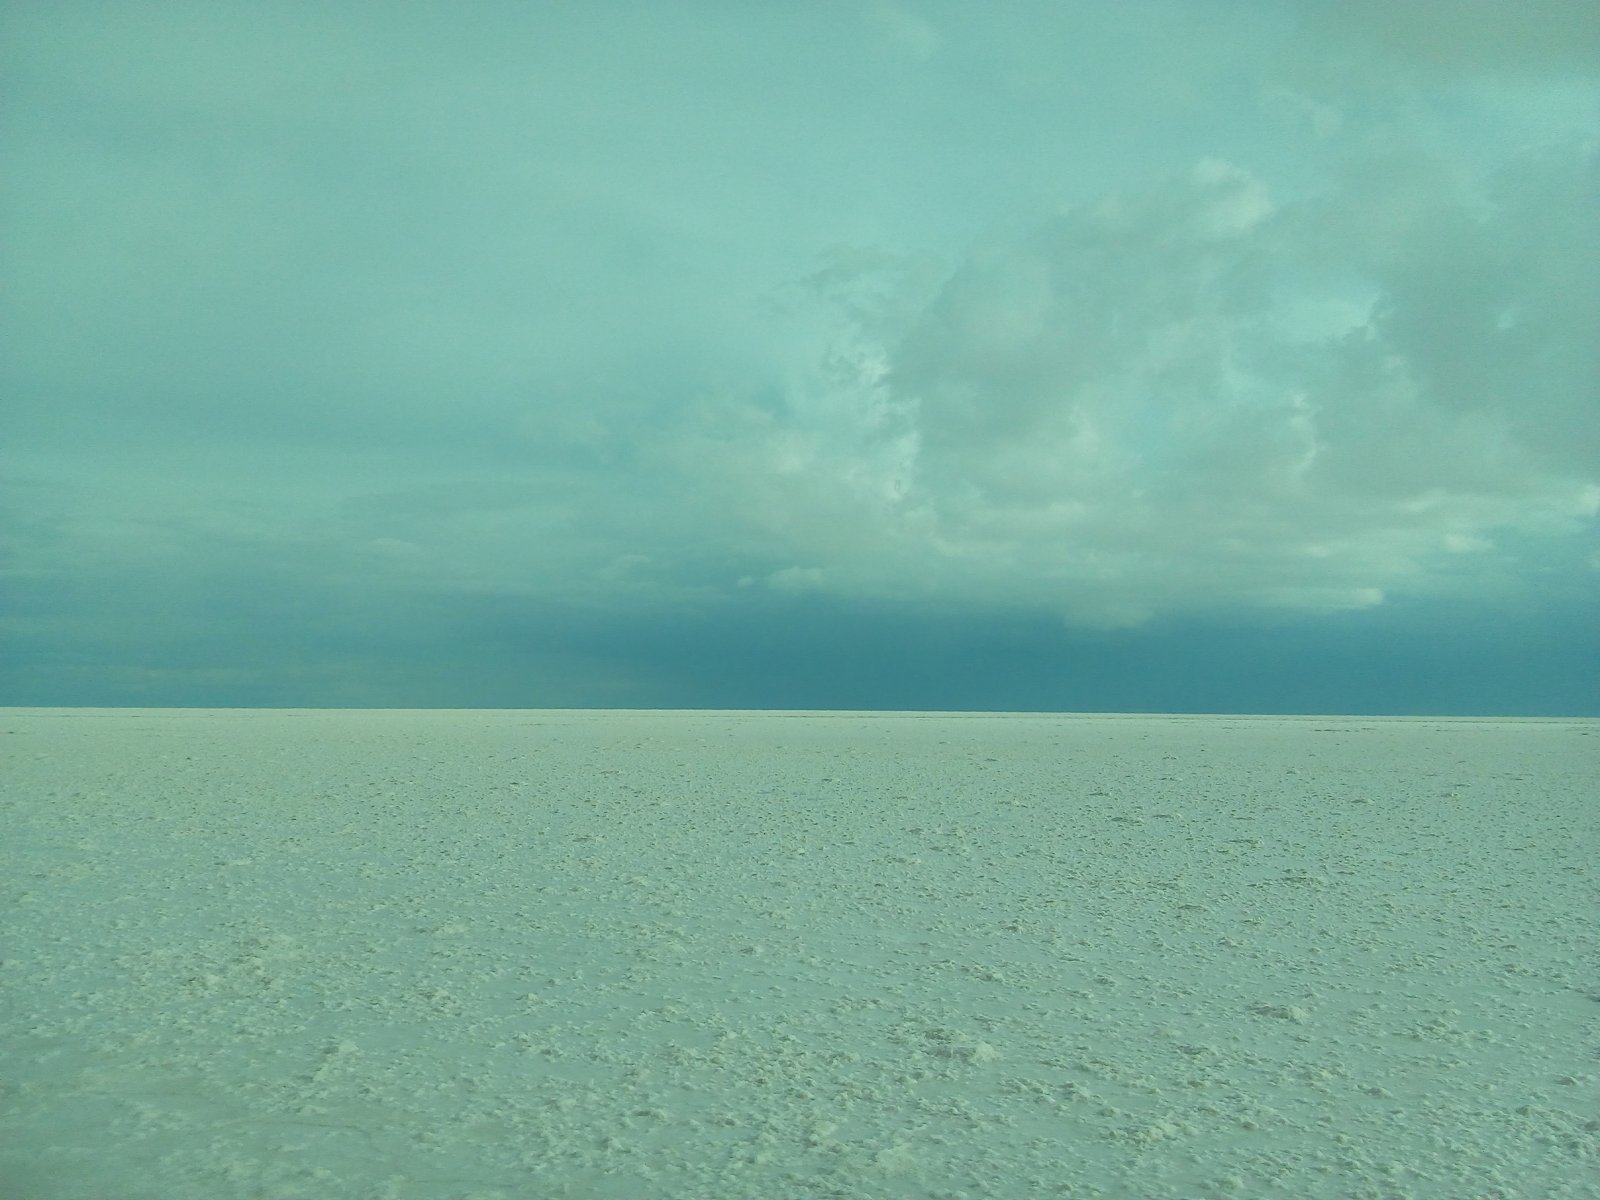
pixel 1186 397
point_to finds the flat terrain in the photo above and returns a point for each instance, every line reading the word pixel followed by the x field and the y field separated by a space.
pixel 497 955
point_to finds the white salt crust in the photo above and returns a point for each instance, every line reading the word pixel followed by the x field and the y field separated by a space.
pixel 497 955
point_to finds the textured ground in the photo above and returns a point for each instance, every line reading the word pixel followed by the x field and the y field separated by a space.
pixel 667 955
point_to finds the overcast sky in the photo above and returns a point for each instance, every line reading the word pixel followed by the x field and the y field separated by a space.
pixel 1230 355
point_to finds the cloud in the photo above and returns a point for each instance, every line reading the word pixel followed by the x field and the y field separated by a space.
pixel 905 29
pixel 340 332
pixel 1433 37
pixel 1189 396
pixel 1466 78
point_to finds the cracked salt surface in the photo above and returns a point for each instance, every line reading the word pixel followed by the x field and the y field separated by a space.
pixel 418 955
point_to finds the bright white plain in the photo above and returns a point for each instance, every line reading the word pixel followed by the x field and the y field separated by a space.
pixel 419 955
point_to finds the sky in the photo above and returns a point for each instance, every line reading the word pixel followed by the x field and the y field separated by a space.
pixel 1166 355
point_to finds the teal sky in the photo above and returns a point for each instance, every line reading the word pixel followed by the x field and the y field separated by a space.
pixel 1212 355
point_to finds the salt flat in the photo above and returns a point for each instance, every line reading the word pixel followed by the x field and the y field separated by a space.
pixel 520 954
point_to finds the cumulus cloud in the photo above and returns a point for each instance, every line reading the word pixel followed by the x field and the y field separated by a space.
pixel 1192 395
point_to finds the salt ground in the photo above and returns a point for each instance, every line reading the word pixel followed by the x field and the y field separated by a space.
pixel 418 955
